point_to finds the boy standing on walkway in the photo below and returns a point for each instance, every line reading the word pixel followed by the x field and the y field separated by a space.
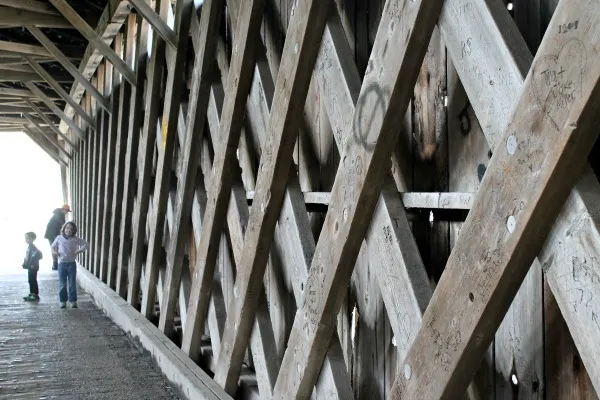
pixel 32 265
pixel 66 247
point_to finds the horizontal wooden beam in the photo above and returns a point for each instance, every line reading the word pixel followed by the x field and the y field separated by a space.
pixel 15 17
pixel 49 136
pixel 21 48
pixel 90 34
pixel 50 124
pixel 30 5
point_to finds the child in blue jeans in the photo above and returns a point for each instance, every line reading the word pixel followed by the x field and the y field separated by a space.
pixel 32 265
pixel 66 247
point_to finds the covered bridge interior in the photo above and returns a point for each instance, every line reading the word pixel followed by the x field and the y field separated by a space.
pixel 341 199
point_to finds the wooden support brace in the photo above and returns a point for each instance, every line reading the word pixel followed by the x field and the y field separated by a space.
pixel 388 85
pixel 58 89
pixel 48 122
pixel 50 139
pixel 299 54
pixel 43 145
pixel 90 34
pixel 55 109
pixel 30 5
pixel 174 87
pixel 527 180
pixel 66 63
pixel 158 24
pixel 134 125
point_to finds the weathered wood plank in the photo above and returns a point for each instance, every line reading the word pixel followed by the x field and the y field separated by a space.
pixel 119 196
pixel 191 145
pixel 96 40
pixel 47 120
pixel 136 115
pixel 357 185
pixel 158 23
pixel 174 89
pixel 66 63
pixel 30 5
pixel 47 136
pixel 145 159
pixel 521 193
pixel 300 52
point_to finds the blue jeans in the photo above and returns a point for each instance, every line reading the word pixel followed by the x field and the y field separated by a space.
pixel 67 271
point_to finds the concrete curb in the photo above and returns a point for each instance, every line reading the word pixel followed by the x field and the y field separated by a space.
pixel 177 367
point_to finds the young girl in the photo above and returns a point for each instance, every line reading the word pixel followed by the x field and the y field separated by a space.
pixel 66 247
pixel 32 265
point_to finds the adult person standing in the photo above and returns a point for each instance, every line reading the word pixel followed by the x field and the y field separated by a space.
pixel 54 227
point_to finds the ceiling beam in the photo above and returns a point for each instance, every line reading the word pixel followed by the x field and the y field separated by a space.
pixel 55 51
pixel 15 17
pixel 90 34
pixel 50 123
pixel 30 5
pixel 21 48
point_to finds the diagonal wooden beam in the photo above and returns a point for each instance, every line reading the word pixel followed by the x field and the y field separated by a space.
pixel 50 123
pixel 135 123
pixel 39 127
pixel 120 193
pixel 387 87
pixel 300 51
pixel 56 53
pixel 58 89
pixel 491 57
pixel 55 109
pixel 145 157
pixel 90 34
pixel 48 137
pixel 543 148
pixel 176 67
pixel 158 24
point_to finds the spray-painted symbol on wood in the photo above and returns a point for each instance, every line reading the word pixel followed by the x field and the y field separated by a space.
pixel 557 81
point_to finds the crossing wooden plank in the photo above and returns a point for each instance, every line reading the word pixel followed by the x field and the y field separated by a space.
pixel 523 190
pixel 174 88
pixel 112 120
pixel 158 23
pixel 96 40
pixel 492 58
pixel 134 126
pixel 365 159
pixel 299 55
pixel 146 151
pixel 119 184
pixel 191 145
pixel 66 63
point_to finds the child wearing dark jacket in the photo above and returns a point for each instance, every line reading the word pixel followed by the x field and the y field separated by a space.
pixel 32 264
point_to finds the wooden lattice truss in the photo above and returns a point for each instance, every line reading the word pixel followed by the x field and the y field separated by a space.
pixel 540 126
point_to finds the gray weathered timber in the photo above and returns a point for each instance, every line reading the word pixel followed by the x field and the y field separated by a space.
pixel 492 58
pixel 55 109
pixel 238 85
pixel 49 122
pixel 157 22
pixel 191 144
pixel 120 158
pixel 526 183
pixel 147 145
pixel 96 40
pixel 175 69
pixel 365 160
pixel 56 53
pixel 134 127
pixel 53 141
pixel 299 55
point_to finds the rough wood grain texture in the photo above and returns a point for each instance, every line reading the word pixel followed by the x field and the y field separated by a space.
pixel 158 23
pixel 299 54
pixel 357 185
pixel 48 122
pixel 194 126
pixel 135 123
pixel 175 68
pixel 119 184
pixel 526 185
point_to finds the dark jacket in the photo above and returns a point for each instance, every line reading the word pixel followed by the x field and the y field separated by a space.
pixel 32 258
pixel 55 224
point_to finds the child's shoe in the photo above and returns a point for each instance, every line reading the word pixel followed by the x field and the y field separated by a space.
pixel 63 304
pixel 74 304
